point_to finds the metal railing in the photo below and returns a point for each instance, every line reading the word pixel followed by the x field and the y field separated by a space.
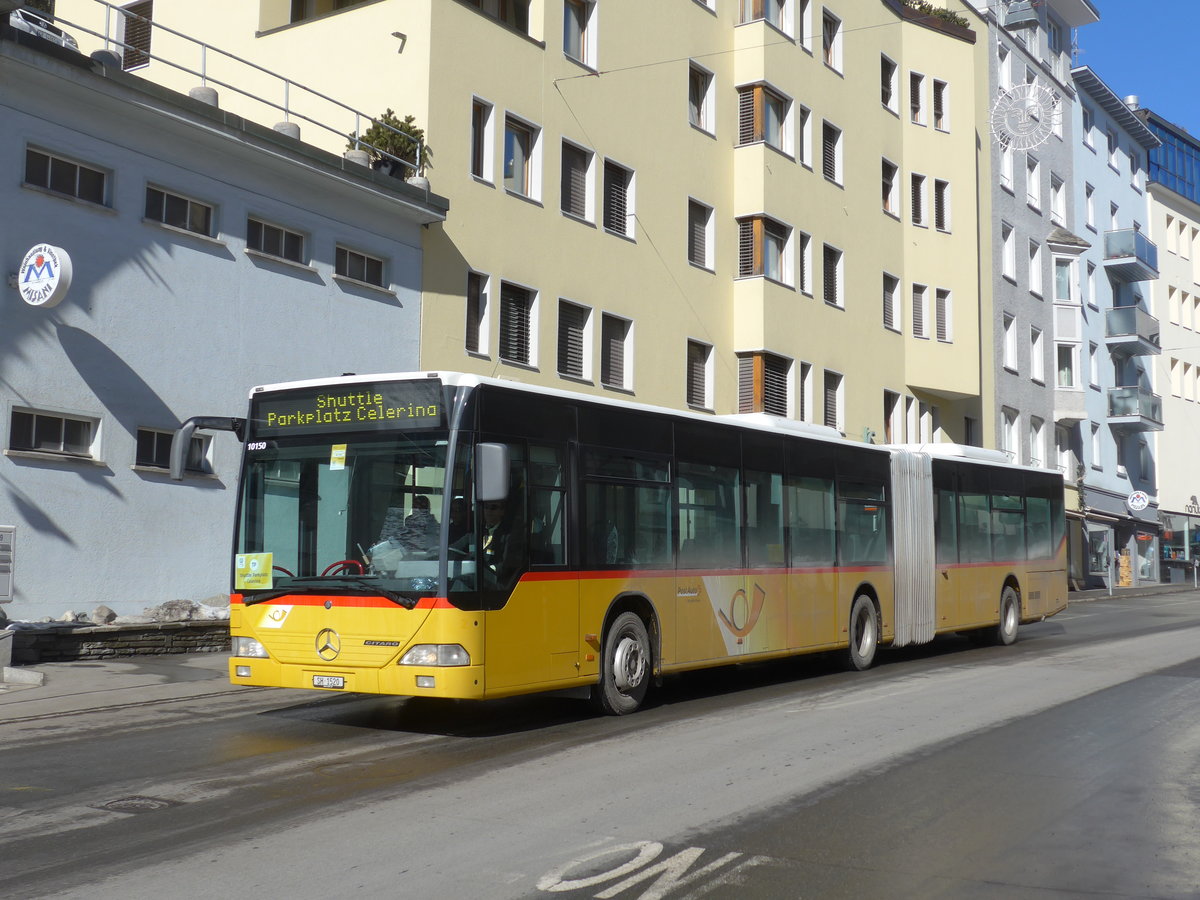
pixel 1124 402
pixel 1129 242
pixel 1131 321
pixel 287 103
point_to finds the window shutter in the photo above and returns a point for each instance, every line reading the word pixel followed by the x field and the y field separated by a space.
pixel 697 234
pixel 775 385
pixel 746 384
pixel 939 205
pixel 746 247
pixel 514 324
pixel 612 360
pixel 918 193
pixel 829 152
pixel 831 412
pixel 830 275
pixel 574 181
pixel 696 359
pixel 137 34
pixel 571 322
pixel 889 302
pixel 942 299
pixel 918 312
pixel 747 132
pixel 616 186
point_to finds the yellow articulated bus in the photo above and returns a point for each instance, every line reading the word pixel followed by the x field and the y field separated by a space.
pixel 446 535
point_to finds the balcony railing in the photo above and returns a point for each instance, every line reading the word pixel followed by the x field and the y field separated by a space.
pixel 1130 256
pixel 1134 409
pixel 1132 331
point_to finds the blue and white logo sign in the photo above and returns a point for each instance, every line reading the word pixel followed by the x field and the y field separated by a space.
pixel 45 276
pixel 1137 501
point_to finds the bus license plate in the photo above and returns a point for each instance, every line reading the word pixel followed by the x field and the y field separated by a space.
pixel 329 681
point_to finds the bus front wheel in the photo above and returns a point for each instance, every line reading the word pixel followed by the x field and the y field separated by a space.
pixel 624 668
pixel 1010 617
pixel 864 633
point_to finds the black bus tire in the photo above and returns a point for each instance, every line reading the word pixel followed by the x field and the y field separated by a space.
pixel 864 634
pixel 625 668
pixel 1010 617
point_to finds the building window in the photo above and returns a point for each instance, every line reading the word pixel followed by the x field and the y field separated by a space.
pixel 618 199
pixel 831 40
pixel 763 384
pixel 154 451
pixel 944 312
pixel 614 351
pixel 1063 270
pixel 578 31
pixel 803 256
pixel 272 240
pixel 520 149
pixel 700 236
pixel 516 324
pixel 891 192
pixel 1006 167
pixel 917 199
pixel 1010 342
pixel 64 177
pixel 574 323
pixel 1008 242
pixel 776 12
pixel 941 205
pixel 477 313
pixel 763 249
pixel 834 416
pixel 576 181
pixel 1113 150
pixel 513 13
pixel 1088 124
pixel 481 139
pixel 889 95
pixel 1065 363
pixel 832 276
pixel 137 29
pixel 1035 268
pixel 1037 442
pixel 1033 183
pixel 699 361
pixel 178 212
pixel 763 117
pixel 1089 206
pixel 831 153
pixel 941 108
pixel 1096 446
pixel 51 433
pixel 804 123
pixel 919 327
pixel 916 98
pixel 358 266
pixel 1037 363
pixel 1093 365
pixel 700 98
pixel 1009 440
pixel 891 312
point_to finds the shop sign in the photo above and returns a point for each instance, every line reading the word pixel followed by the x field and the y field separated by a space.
pixel 1137 501
pixel 45 276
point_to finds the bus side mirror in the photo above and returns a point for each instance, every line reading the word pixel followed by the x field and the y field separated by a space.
pixel 491 472
pixel 182 439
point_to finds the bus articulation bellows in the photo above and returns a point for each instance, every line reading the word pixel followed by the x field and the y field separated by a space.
pixel 447 535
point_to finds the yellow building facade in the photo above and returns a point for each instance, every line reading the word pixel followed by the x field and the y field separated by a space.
pixel 729 206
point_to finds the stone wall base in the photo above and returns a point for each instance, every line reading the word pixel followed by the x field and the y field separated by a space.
pixel 67 643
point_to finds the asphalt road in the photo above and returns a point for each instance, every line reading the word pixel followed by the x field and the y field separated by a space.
pixel 1067 765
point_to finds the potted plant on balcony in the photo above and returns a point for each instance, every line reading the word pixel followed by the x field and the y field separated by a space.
pixel 401 139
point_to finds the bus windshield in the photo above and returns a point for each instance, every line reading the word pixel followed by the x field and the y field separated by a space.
pixel 359 517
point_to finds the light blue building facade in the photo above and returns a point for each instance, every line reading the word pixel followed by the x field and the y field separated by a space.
pixel 207 255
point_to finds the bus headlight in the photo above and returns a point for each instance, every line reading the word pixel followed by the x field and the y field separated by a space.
pixel 244 646
pixel 436 655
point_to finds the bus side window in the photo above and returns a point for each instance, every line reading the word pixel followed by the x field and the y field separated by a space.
pixel 811 529
pixel 547 506
pixel 764 518
pixel 709 516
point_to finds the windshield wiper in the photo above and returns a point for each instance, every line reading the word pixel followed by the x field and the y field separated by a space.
pixel 338 584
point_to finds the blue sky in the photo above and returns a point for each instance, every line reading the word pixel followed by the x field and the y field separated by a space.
pixel 1147 47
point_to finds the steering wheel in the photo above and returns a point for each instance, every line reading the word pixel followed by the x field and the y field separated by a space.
pixel 344 565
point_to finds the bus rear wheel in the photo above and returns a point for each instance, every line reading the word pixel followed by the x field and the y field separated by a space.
pixel 1010 617
pixel 864 633
pixel 624 667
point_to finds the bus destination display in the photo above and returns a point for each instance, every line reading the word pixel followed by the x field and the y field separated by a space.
pixel 358 407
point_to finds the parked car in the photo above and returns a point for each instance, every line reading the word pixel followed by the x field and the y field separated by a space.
pixel 35 22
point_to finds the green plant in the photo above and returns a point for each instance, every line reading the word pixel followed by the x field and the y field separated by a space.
pixel 400 138
pixel 946 15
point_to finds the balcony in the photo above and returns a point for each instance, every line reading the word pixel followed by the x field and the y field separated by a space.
pixel 1133 409
pixel 1130 256
pixel 1131 331
pixel 1069 405
pixel 1020 14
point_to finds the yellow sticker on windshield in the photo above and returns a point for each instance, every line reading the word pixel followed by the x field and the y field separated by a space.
pixel 252 571
pixel 337 457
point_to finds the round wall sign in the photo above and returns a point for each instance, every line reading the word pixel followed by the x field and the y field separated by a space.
pixel 1137 501
pixel 45 276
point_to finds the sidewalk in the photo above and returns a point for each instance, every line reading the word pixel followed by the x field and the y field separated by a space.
pixel 68 687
